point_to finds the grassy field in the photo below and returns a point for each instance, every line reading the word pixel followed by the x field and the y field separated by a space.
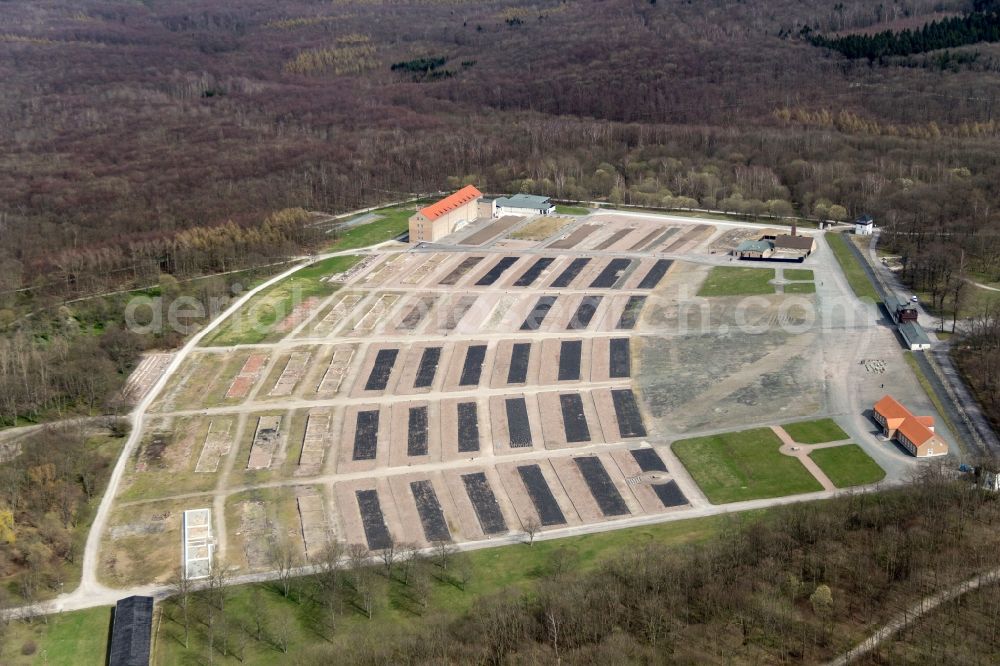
pixel 571 210
pixel 257 320
pixel 74 638
pixel 853 270
pixel 738 466
pixel 737 281
pixel 800 288
pixel 815 432
pixel 84 633
pixel 798 274
pixel 848 465
pixel 542 228
pixel 393 222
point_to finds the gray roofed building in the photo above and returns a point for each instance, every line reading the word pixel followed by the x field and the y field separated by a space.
pixel 131 632
pixel 521 204
pixel 914 336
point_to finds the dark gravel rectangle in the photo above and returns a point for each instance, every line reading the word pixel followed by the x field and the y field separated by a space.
pixel 611 274
pixel 649 460
pixel 376 533
pixel 519 356
pixel 366 435
pixel 661 239
pixel 538 313
pixel 378 379
pixel 620 363
pixel 494 273
pixel 472 369
pixel 460 309
pixel 416 434
pixel 468 427
pixel 574 420
pixel 575 268
pixel 645 239
pixel 569 360
pixel 417 313
pixel 518 426
pixel 601 486
pixel 669 493
pixel 627 411
pixel 630 315
pixel 467 265
pixel 541 495
pixel 655 274
pixel 584 313
pixel 529 276
pixel 612 239
pixel 428 367
pixel 485 503
pixel 429 510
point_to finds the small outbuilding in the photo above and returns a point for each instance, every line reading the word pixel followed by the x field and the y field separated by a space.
pixel 754 249
pixel 914 336
pixel 864 226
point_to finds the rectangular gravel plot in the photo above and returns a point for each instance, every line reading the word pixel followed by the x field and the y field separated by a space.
pixel 568 275
pixel 620 363
pixel 648 460
pixel 485 503
pixel 458 311
pixel 627 411
pixel 379 377
pixel 494 273
pixel 468 427
pixel 630 315
pixel 428 367
pixel 574 420
pixel 416 313
pixel 670 494
pixel 366 435
pixel 517 423
pixel 569 360
pixel 644 240
pixel 612 239
pixel 608 277
pixel 655 274
pixel 584 313
pixel 429 510
pixel 529 276
pixel 601 486
pixel 376 533
pixel 467 265
pixel 537 314
pixel 519 356
pixel 541 495
pixel 472 369
pixel 416 434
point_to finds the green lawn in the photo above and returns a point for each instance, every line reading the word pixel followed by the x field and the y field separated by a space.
pixel 738 466
pixel 256 321
pixel 79 637
pixel 737 281
pixel 815 432
pixel 572 210
pixel 392 222
pixel 848 465
pixel 854 271
pixel 800 288
pixel 798 274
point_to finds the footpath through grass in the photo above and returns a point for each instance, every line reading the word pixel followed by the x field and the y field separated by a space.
pixel 848 465
pixel 737 466
pixel 737 281
pixel 856 275
pixel 392 223
pixel 820 431
pixel 260 319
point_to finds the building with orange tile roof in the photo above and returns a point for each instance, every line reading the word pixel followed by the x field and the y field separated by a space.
pixel 443 217
pixel 914 433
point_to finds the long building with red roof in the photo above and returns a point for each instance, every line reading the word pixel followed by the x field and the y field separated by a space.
pixel 442 217
pixel 914 433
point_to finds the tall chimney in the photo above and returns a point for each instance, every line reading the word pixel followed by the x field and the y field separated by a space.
pixel 794 227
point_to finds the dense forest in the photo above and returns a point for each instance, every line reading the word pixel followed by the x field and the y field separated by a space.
pixel 140 139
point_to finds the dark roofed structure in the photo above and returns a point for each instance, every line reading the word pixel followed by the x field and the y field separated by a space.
pixel 131 632
pixel 802 243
